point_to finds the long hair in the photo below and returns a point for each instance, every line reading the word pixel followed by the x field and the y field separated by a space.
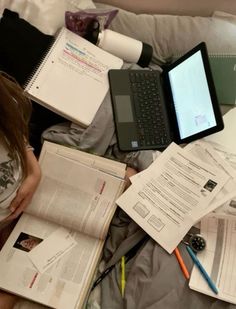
pixel 15 111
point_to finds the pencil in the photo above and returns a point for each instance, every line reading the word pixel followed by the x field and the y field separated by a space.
pixel 181 263
pixel 122 282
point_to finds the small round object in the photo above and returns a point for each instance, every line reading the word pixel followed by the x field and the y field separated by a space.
pixel 197 242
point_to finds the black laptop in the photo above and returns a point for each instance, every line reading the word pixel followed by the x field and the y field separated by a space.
pixel 151 108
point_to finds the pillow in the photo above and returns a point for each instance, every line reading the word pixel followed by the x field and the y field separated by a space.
pixel 172 35
pixel 48 16
pixel 21 46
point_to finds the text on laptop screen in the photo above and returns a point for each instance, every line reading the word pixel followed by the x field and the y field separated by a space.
pixel 192 100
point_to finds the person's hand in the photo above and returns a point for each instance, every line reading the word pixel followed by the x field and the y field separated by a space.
pixel 27 188
pixel 7 301
pixel 129 172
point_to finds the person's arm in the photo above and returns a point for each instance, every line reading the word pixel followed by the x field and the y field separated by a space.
pixel 27 187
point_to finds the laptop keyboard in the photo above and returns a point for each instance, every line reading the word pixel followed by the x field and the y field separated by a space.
pixel 148 110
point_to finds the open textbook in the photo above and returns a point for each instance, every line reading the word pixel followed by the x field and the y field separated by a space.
pixel 53 251
pixel 218 258
pixel 172 194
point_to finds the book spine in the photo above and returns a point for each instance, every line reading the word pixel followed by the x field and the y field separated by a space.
pixel 36 71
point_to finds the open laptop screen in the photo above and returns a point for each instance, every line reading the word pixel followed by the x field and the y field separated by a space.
pixel 195 103
pixel 191 96
pixel 152 109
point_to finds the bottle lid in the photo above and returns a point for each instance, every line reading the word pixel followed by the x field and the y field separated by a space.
pixel 146 55
pixel 93 32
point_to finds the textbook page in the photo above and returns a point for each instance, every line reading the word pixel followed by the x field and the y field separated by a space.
pixel 171 195
pixel 66 283
pixel 218 259
pixel 75 195
pixel 27 304
pixel 105 165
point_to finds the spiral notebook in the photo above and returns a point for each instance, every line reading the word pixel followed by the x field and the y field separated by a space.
pixel 224 74
pixel 72 78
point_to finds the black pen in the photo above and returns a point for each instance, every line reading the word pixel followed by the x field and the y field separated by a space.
pixel 130 254
pixel 102 276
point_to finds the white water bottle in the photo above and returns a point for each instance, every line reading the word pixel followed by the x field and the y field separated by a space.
pixel 124 47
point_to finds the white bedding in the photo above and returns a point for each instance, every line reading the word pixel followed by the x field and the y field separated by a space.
pixel 168 35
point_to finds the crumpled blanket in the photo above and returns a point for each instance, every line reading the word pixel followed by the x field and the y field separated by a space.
pixel 154 278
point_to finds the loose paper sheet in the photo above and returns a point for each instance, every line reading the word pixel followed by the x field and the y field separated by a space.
pixel 171 195
pixel 222 203
pixel 226 136
pixel 51 249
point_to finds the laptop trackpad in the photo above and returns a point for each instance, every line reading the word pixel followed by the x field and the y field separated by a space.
pixel 125 124
pixel 123 107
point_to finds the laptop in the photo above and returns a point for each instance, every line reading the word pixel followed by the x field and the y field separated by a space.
pixel 151 108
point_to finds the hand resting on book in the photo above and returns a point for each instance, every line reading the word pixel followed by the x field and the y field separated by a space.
pixel 19 169
pixel 27 188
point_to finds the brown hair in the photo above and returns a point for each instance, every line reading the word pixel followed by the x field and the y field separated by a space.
pixel 15 111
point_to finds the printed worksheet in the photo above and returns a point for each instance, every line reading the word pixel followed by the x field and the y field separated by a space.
pixel 172 195
pixel 225 200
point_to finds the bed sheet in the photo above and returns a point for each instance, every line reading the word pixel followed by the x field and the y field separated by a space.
pixel 154 278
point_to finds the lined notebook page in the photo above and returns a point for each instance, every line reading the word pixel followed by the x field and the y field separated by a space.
pixel 72 79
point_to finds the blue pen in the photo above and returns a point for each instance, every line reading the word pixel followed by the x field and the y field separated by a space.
pixel 202 270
